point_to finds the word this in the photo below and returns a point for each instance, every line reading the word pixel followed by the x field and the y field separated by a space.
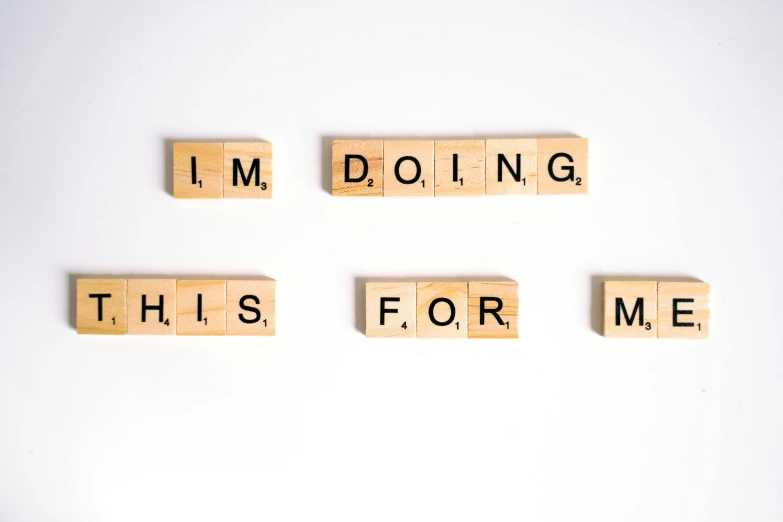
pixel 223 170
pixel 649 309
pixel 475 310
pixel 169 306
pixel 459 167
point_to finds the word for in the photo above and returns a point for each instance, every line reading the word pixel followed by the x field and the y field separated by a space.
pixel 656 309
pixel 473 310
pixel 459 167
pixel 223 170
pixel 169 306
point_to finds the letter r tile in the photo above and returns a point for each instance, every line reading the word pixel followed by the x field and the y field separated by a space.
pixel 493 310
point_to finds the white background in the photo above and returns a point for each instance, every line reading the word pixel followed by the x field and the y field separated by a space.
pixel 682 104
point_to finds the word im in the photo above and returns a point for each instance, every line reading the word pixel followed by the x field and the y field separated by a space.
pixel 223 170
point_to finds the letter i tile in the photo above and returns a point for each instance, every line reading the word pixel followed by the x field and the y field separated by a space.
pixel 201 307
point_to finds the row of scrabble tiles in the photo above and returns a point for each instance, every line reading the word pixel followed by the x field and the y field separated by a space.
pixel 169 306
pixel 223 170
pixel 459 167
pixel 476 310
pixel 650 309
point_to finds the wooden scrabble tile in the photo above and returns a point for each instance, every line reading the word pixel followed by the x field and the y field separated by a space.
pixel 493 310
pixel 201 307
pixel 512 166
pixel 101 306
pixel 459 168
pixel 247 170
pixel 198 170
pixel 250 307
pixel 390 309
pixel 152 306
pixel 683 310
pixel 408 168
pixel 442 310
pixel 357 168
pixel 562 166
pixel 630 309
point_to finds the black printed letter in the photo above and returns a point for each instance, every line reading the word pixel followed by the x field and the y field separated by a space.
pixel 253 309
pixel 100 297
pixel 493 311
pixel 385 310
pixel 254 169
pixel 348 158
pixel 503 161
pixel 397 170
pixel 676 312
pixel 145 307
pixel 567 168
pixel 432 310
pixel 619 306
